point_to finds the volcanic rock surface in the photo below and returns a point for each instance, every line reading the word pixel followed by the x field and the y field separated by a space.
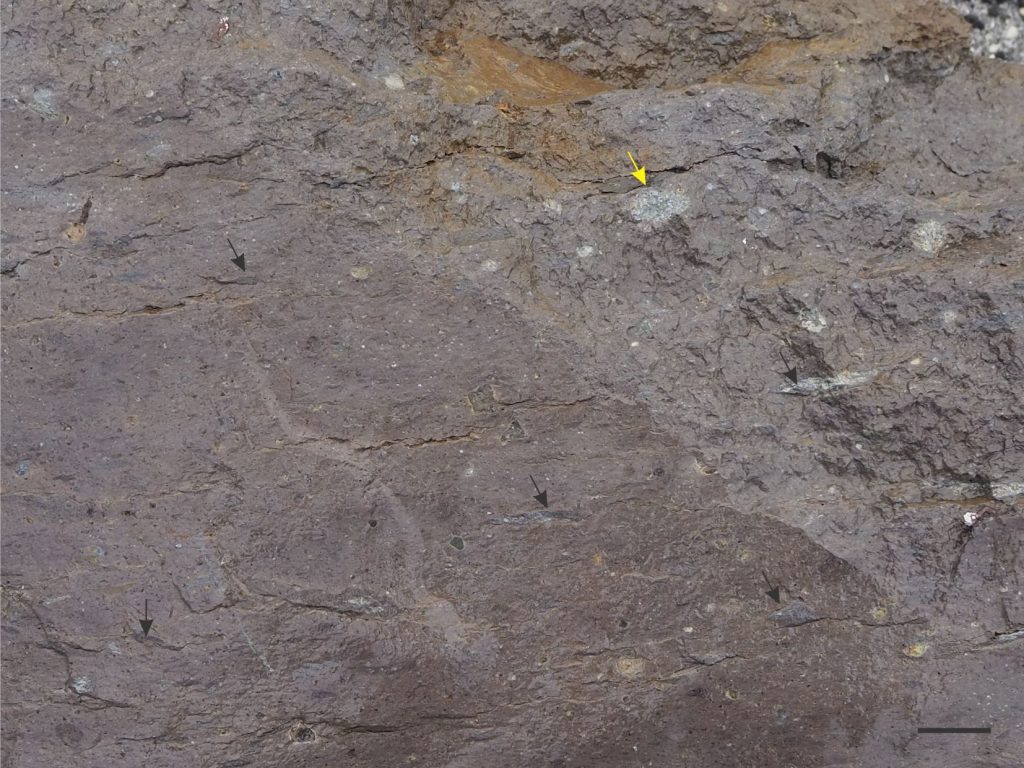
pixel 791 361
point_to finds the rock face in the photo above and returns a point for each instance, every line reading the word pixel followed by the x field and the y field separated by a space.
pixel 794 355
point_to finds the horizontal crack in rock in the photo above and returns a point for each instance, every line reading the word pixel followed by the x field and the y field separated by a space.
pixel 212 159
pixel 419 442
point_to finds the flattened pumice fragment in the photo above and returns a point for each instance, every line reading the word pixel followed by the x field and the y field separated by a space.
pixel 793 615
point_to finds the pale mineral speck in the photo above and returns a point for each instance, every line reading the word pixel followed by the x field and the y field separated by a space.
pixel 929 236
pixel 629 667
pixel 394 83
pixel 656 206
pixel 812 320
pixel 763 221
pixel 584 251
pixel 83 686
pixel 915 650
pixel 842 380
pixel 460 197
pixel 570 48
pixel 489 265
pixel 1007 491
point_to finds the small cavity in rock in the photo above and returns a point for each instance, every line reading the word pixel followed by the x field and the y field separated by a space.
pixel 301 734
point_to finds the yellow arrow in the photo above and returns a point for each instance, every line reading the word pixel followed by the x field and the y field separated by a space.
pixel 640 173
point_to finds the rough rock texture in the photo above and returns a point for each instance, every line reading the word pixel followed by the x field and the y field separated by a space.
pixel 998 27
pixel 317 471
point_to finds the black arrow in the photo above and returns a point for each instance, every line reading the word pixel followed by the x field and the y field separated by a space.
pixel 238 261
pixel 791 373
pixel 542 496
pixel 773 592
pixel 146 622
